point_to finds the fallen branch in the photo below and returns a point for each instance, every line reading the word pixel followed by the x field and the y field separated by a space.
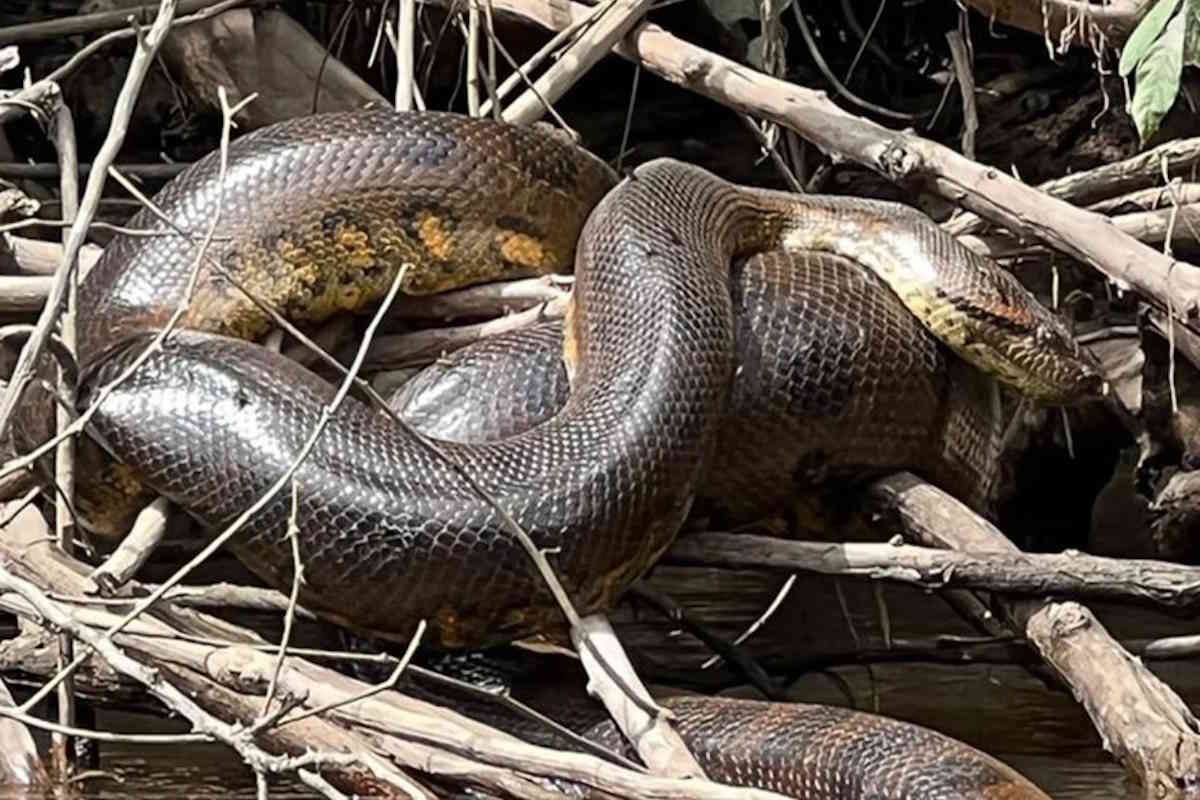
pixel 580 56
pixel 92 23
pixel 1150 227
pixel 1140 720
pixel 37 257
pixel 228 681
pixel 1070 574
pixel 148 44
pixel 1092 186
pixel 21 294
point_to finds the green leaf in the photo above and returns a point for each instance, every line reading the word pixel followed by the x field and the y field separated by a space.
pixel 1191 37
pixel 1157 79
pixel 1145 35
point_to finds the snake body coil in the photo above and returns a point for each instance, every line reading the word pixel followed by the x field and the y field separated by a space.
pixel 317 215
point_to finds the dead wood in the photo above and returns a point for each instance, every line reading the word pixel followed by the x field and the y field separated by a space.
pixel 1093 186
pixel 268 54
pixel 20 764
pixel 37 257
pixel 228 681
pixel 902 157
pixel 23 294
pixel 1141 721
pixel 95 22
pixel 1068 21
pixel 1069 574
pixel 1150 227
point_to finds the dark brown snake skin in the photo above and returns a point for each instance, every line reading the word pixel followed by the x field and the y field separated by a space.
pixel 318 214
pixel 799 750
pixel 837 383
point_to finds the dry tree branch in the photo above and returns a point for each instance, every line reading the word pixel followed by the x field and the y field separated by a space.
pixel 46 84
pixel 473 58
pixel 201 721
pixel 1089 187
pixel 405 30
pixel 81 421
pixel 520 73
pixel 401 730
pixel 422 346
pixel 580 56
pixel 1069 574
pixel 122 112
pixel 966 82
pixel 64 457
pixel 902 157
pixel 1144 724
pixel 1113 20
pixel 135 548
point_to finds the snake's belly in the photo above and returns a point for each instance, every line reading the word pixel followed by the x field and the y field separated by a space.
pixel 835 383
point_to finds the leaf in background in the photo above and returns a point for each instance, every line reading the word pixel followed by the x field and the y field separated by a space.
pixel 1143 37
pixel 754 52
pixel 727 12
pixel 1157 79
pixel 1191 36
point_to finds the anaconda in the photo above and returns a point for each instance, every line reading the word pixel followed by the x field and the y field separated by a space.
pixel 319 214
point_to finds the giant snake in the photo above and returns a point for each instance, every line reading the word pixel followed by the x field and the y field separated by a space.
pixel 318 215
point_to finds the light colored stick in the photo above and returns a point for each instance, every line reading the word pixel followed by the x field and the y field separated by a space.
pixel 521 74
pixel 581 56
pixel 1140 720
pixel 1111 22
pixel 473 57
pixel 143 57
pixel 405 31
pixel 655 740
pixel 24 294
pixel 418 346
pixel 1107 180
pixel 36 257
pixel 1071 574
pixel 62 752
pixel 136 548
pixel 20 764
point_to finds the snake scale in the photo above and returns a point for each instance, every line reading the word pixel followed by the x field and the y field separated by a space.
pixel 318 215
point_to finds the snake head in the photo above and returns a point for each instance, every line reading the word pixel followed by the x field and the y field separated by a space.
pixel 1048 364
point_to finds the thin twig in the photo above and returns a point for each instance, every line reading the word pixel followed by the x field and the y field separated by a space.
pixel 405 32
pixel 122 112
pixel 62 751
pixel 966 82
pixel 473 57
